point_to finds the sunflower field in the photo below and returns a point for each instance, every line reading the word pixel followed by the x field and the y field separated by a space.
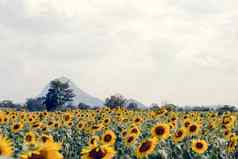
pixel 118 134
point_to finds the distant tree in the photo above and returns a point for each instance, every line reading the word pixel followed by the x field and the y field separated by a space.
pixel 170 107
pixel 154 106
pixel 58 94
pixel 83 106
pixel 226 108
pixel 115 101
pixel 132 106
pixel 35 104
pixel 9 104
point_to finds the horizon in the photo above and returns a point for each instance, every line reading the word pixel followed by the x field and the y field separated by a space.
pixel 184 52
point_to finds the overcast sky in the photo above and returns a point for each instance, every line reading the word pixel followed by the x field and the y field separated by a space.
pixel 184 52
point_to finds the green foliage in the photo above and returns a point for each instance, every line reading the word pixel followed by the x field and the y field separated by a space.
pixel 35 104
pixel 58 94
pixel 115 101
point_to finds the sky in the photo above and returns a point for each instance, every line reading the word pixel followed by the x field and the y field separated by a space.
pixel 183 52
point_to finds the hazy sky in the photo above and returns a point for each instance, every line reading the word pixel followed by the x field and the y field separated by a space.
pixel 185 52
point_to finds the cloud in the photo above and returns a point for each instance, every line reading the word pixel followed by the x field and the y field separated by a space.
pixel 184 52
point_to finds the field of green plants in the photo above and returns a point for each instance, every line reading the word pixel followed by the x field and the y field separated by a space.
pixel 118 134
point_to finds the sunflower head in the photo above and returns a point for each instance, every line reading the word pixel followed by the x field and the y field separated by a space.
pixel 98 152
pixel 161 131
pixel 193 129
pixel 30 138
pixel 146 148
pixel 17 127
pixel 6 148
pixel 109 137
pixel 199 146
pixel 179 135
pixel 94 141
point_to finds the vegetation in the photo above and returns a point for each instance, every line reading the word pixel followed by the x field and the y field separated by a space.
pixel 115 101
pixel 58 94
pixel 118 133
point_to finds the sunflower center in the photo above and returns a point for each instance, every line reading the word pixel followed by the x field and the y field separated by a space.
pixel 97 153
pixel 187 124
pixel 107 138
pixel 134 130
pixel 130 139
pixel 199 145
pixel 92 141
pixel 67 118
pixel 124 133
pixel 44 138
pixel 35 156
pixel 80 125
pixel 28 138
pixel 159 130
pixel 145 146
pixel 192 128
pixel 179 134
pixel 137 120
pixel 16 127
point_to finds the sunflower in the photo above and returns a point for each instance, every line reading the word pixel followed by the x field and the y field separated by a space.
pixel 109 137
pixel 161 131
pixel 50 123
pixel 134 130
pixel 106 121
pixel 46 138
pixel 199 146
pixel 67 117
pixel 138 120
pixel 124 133
pixel 187 122
pixel 231 147
pixel 130 139
pixel 80 125
pixel 36 125
pixel 193 129
pixel 30 138
pixel 48 150
pixel 17 127
pixel 98 152
pixel 44 128
pixel 94 141
pixel 179 135
pixel 97 127
pixel 146 148
pixel 6 148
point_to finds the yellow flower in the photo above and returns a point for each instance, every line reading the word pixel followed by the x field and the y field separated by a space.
pixel 94 141
pixel 146 148
pixel 98 152
pixel 193 129
pixel 48 150
pixel 6 148
pixel 30 137
pixel 199 146
pixel 179 135
pixel 109 137
pixel 161 131
pixel 130 139
pixel 16 127
pixel 46 138
pixel 134 130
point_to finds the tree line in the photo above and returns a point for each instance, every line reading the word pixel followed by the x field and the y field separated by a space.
pixel 60 96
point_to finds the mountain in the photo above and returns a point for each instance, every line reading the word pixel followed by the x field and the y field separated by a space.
pixel 80 95
pixel 139 104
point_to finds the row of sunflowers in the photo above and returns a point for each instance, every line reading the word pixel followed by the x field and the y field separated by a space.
pixel 118 133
